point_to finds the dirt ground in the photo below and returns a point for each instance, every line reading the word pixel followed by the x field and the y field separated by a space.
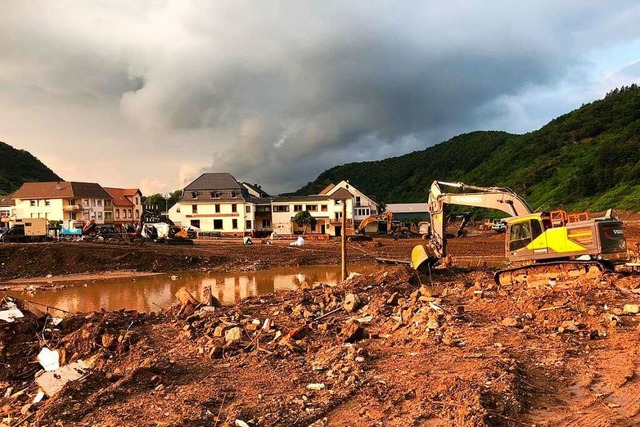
pixel 66 258
pixel 392 348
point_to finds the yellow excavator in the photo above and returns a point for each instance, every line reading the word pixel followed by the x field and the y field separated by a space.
pixel 548 244
pixel 394 228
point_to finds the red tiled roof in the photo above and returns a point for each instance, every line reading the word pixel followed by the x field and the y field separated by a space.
pixel 119 196
pixel 130 192
pixel 60 190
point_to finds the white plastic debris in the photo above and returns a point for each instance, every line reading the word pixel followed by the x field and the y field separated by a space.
pixel 55 321
pixel 11 313
pixel 240 423
pixel 298 242
pixel 38 397
pixel 50 360
pixel 316 386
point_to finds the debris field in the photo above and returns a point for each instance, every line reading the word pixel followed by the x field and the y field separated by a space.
pixel 391 348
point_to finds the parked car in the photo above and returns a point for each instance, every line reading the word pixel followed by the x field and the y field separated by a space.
pixel 499 227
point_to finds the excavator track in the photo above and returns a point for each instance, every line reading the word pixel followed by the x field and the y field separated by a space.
pixel 550 273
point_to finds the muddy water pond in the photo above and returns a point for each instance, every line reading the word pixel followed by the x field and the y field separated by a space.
pixel 150 293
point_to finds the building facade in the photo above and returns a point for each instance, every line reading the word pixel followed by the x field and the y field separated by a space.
pixel 63 201
pixel 362 205
pixel 127 206
pixel 215 203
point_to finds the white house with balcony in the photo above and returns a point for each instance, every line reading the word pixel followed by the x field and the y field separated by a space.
pixel 63 201
pixel 363 205
pixel 327 210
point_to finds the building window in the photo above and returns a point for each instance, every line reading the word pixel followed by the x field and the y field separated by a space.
pixel 47 203
pixel 137 214
pixel 217 208
pixel 357 200
pixel 336 202
pixel 281 208
pixel 215 194
pixel 99 203
pixel 234 194
pixel 107 216
pixel 32 203
pixel 297 208
pixel 72 201
pixel 217 224
pixel 117 213
pixel 93 202
pixel 195 223
pixel 248 224
pixel 194 209
pixel 137 201
pixel 323 208
pixel 338 215
pixel 266 223
pixel 247 209
pixel 234 223
pixel 178 209
pixel 312 208
pixel 194 194
pixel 130 214
pixel 99 215
pixel 234 208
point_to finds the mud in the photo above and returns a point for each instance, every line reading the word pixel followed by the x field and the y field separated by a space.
pixel 392 348
pixel 401 351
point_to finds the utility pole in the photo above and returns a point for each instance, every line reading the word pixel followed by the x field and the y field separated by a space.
pixel 344 240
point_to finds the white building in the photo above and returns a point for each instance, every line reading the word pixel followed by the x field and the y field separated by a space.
pixel 215 203
pixel 7 210
pixel 363 205
pixel 327 210
pixel 62 201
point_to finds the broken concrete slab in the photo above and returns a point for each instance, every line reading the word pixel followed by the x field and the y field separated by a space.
pixel 53 381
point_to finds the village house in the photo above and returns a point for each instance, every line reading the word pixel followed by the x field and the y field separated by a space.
pixel 7 210
pixel 363 205
pixel 63 201
pixel 326 209
pixel 215 203
pixel 127 206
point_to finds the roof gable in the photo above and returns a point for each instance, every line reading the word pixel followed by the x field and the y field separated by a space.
pixel 119 196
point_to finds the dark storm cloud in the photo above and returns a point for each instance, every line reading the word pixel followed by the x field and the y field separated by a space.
pixel 279 91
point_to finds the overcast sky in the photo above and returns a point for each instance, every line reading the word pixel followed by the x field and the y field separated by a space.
pixel 150 94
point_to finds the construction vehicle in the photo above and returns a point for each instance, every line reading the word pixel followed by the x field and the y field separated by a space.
pixel 397 229
pixel 549 244
pixel 28 230
pixel 152 227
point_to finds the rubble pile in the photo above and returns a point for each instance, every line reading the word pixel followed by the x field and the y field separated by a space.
pixel 389 348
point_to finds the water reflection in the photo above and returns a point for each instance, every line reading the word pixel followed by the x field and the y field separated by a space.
pixel 152 292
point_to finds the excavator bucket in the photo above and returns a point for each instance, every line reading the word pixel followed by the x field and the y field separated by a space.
pixel 422 257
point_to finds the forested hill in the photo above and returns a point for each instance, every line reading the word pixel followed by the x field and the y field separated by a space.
pixel 586 159
pixel 20 166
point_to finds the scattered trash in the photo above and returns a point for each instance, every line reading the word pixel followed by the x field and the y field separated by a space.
pixel 38 397
pixel 50 360
pixel 240 423
pixel 316 386
pixel 11 313
pixel 298 242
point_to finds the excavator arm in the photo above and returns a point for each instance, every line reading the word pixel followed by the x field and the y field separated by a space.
pixel 502 199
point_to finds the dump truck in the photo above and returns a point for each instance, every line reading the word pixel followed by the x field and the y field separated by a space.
pixel 28 230
pixel 547 245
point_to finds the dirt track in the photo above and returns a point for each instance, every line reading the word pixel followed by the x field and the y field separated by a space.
pixel 458 351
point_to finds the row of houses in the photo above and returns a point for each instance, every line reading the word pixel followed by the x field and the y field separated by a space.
pixel 73 202
pixel 218 203
pixel 213 203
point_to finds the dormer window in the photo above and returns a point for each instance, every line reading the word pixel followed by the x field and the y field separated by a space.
pixel 215 194
pixel 234 193
pixel 194 194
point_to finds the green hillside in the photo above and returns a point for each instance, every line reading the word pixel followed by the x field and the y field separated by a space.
pixel 587 159
pixel 18 167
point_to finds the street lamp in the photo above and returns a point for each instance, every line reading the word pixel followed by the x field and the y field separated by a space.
pixel 166 196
